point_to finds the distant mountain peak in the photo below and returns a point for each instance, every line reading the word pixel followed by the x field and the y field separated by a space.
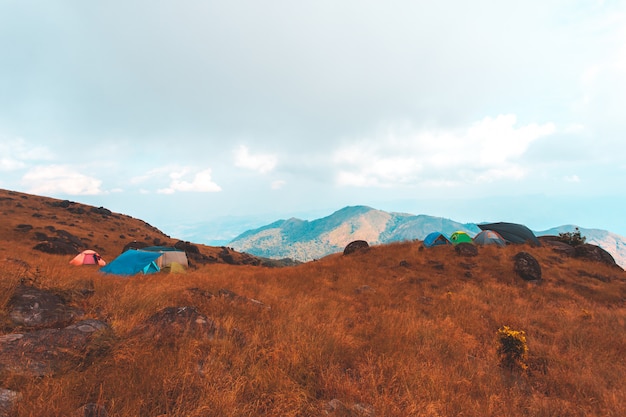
pixel 305 240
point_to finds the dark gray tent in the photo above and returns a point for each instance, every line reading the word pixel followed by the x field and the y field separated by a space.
pixel 512 232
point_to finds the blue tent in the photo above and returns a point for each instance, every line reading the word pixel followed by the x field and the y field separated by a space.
pixel 132 262
pixel 436 239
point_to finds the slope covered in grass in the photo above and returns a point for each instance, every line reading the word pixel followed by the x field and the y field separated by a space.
pixel 393 331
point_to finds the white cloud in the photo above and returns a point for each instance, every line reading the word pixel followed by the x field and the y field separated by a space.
pixel 262 163
pixel 278 184
pixel 154 173
pixel 486 151
pixel 16 153
pixel 201 182
pixel 8 164
pixel 55 179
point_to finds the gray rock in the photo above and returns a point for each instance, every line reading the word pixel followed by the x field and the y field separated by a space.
pixel 170 323
pixel 594 253
pixel 48 351
pixel 8 399
pixel 36 308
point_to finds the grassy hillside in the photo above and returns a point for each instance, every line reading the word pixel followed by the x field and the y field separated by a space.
pixel 28 220
pixel 396 330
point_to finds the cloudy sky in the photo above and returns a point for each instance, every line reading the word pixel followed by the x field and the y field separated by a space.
pixel 200 111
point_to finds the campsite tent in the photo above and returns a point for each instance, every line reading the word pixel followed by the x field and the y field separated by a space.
pixel 489 237
pixel 88 257
pixel 436 239
pixel 132 262
pixel 168 256
pixel 512 232
pixel 460 236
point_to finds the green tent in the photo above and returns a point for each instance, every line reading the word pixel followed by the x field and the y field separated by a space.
pixel 459 237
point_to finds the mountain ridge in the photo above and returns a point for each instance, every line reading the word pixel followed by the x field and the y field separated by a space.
pixel 305 240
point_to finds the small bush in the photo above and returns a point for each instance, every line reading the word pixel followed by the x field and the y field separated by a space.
pixel 572 238
pixel 512 348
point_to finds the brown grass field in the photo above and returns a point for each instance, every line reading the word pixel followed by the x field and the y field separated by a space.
pixel 396 330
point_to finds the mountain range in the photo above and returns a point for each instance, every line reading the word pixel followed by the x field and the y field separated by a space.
pixel 304 240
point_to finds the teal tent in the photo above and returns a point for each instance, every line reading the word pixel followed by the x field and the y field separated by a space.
pixel 436 239
pixel 133 262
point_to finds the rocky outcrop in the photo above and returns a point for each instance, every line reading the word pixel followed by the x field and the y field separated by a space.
pixel 8 399
pixel 594 253
pixel 46 338
pixel 32 307
pixel 45 352
pixel 171 323
pixel 584 251
pixel 64 243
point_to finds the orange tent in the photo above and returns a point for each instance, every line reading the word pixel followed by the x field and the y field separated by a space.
pixel 88 257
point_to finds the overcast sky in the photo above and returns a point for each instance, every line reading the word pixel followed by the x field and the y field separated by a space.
pixel 191 111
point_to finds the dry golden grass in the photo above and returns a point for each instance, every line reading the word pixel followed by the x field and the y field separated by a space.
pixel 403 340
pixel 396 330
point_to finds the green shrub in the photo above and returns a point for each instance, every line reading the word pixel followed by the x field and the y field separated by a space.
pixel 572 238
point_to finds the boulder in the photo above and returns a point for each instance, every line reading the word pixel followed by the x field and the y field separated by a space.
pixel 104 212
pixel 559 247
pixel 47 352
pixel 8 399
pixel 355 246
pixel 56 247
pixel 36 308
pixel 527 267
pixel 188 247
pixel 594 253
pixel 171 323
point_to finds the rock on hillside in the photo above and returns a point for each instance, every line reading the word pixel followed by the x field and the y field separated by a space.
pixel 611 242
pixel 305 240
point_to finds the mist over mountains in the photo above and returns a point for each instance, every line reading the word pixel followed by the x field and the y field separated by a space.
pixel 305 240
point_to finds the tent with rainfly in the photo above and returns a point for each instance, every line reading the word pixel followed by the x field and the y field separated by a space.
pixel 460 237
pixel 133 262
pixel 512 232
pixel 489 237
pixel 168 256
pixel 436 239
pixel 88 257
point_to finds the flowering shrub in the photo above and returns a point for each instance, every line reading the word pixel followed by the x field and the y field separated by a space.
pixel 512 348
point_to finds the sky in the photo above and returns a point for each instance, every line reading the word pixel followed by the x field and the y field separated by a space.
pixel 189 112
